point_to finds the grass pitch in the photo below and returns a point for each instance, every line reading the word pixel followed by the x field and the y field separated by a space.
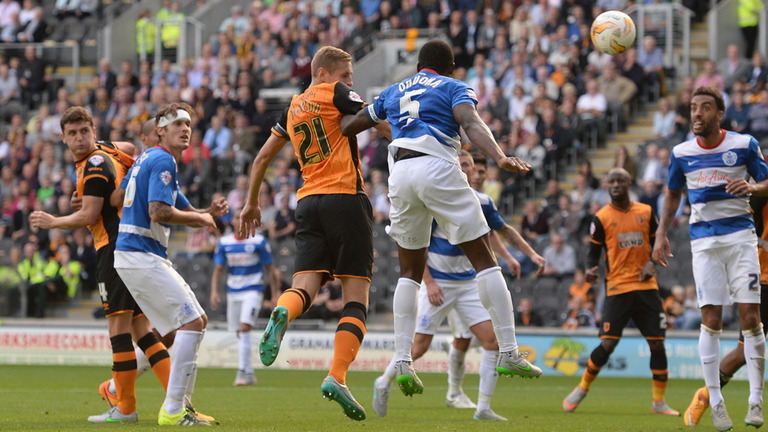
pixel 55 398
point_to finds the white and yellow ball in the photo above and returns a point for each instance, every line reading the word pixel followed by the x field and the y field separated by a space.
pixel 613 32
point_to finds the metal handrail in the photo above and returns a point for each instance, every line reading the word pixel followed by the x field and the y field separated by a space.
pixel 181 48
pixel 671 42
pixel 41 46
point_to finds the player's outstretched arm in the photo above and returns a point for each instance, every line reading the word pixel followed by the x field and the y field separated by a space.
pixel 250 216
pixel 741 187
pixel 661 250
pixel 219 207
pixel 479 134
pixel 497 246
pixel 163 213
pixel 513 237
pixel 352 125
pixel 215 280
pixel 88 214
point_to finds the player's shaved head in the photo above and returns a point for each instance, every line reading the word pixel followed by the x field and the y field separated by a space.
pixel 620 172
pixel 149 133
pixel 149 126
pixel 436 55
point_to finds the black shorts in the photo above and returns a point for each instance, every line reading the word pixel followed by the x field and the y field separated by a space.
pixel 763 310
pixel 334 235
pixel 643 307
pixel 115 297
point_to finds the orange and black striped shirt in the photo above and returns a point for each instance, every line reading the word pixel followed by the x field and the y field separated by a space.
pixel 330 162
pixel 626 237
pixel 97 175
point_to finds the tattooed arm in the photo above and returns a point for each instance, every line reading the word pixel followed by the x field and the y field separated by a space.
pixel 161 212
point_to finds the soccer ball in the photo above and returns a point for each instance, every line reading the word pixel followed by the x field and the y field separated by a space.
pixel 613 32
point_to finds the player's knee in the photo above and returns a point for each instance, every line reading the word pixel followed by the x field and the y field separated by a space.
pixel 752 323
pixel 490 345
pixel 656 345
pixel 244 328
pixel 609 345
pixel 462 344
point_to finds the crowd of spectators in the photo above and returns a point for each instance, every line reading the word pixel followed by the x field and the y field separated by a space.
pixel 543 89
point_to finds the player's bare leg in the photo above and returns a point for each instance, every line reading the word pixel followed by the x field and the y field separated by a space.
pixel 496 298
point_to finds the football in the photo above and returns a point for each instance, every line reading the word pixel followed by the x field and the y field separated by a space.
pixel 613 32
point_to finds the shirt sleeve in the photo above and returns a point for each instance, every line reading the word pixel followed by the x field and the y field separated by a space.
pixel 676 175
pixel 281 127
pixel 596 231
pixel 265 253
pixel 756 165
pixel 346 100
pixel 462 93
pixel 124 181
pixel 98 176
pixel 492 216
pixel 162 181
pixel 181 200
pixel 376 111
pixel 219 258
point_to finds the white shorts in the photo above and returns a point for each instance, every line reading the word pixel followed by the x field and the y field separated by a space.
pixel 243 308
pixel 729 274
pixel 428 187
pixel 461 297
pixel 161 292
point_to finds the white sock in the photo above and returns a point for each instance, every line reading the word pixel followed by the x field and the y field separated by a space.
pixel 142 365
pixel 405 307
pixel 498 301
pixel 488 378
pixel 389 374
pixel 191 383
pixel 142 362
pixel 183 368
pixel 244 349
pixel 754 353
pixel 456 367
pixel 709 351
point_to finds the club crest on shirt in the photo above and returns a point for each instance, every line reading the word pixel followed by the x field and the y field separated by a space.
pixel 249 248
pixel 592 228
pixel 166 177
pixel 353 96
pixel 96 160
pixel 730 158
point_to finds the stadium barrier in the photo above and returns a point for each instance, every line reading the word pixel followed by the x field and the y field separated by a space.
pixel 557 353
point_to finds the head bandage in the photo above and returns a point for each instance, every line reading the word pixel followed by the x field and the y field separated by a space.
pixel 167 119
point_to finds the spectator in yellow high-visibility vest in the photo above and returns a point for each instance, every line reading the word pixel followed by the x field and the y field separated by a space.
pixel 145 34
pixel 39 274
pixel 749 17
pixel 68 276
pixel 170 31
